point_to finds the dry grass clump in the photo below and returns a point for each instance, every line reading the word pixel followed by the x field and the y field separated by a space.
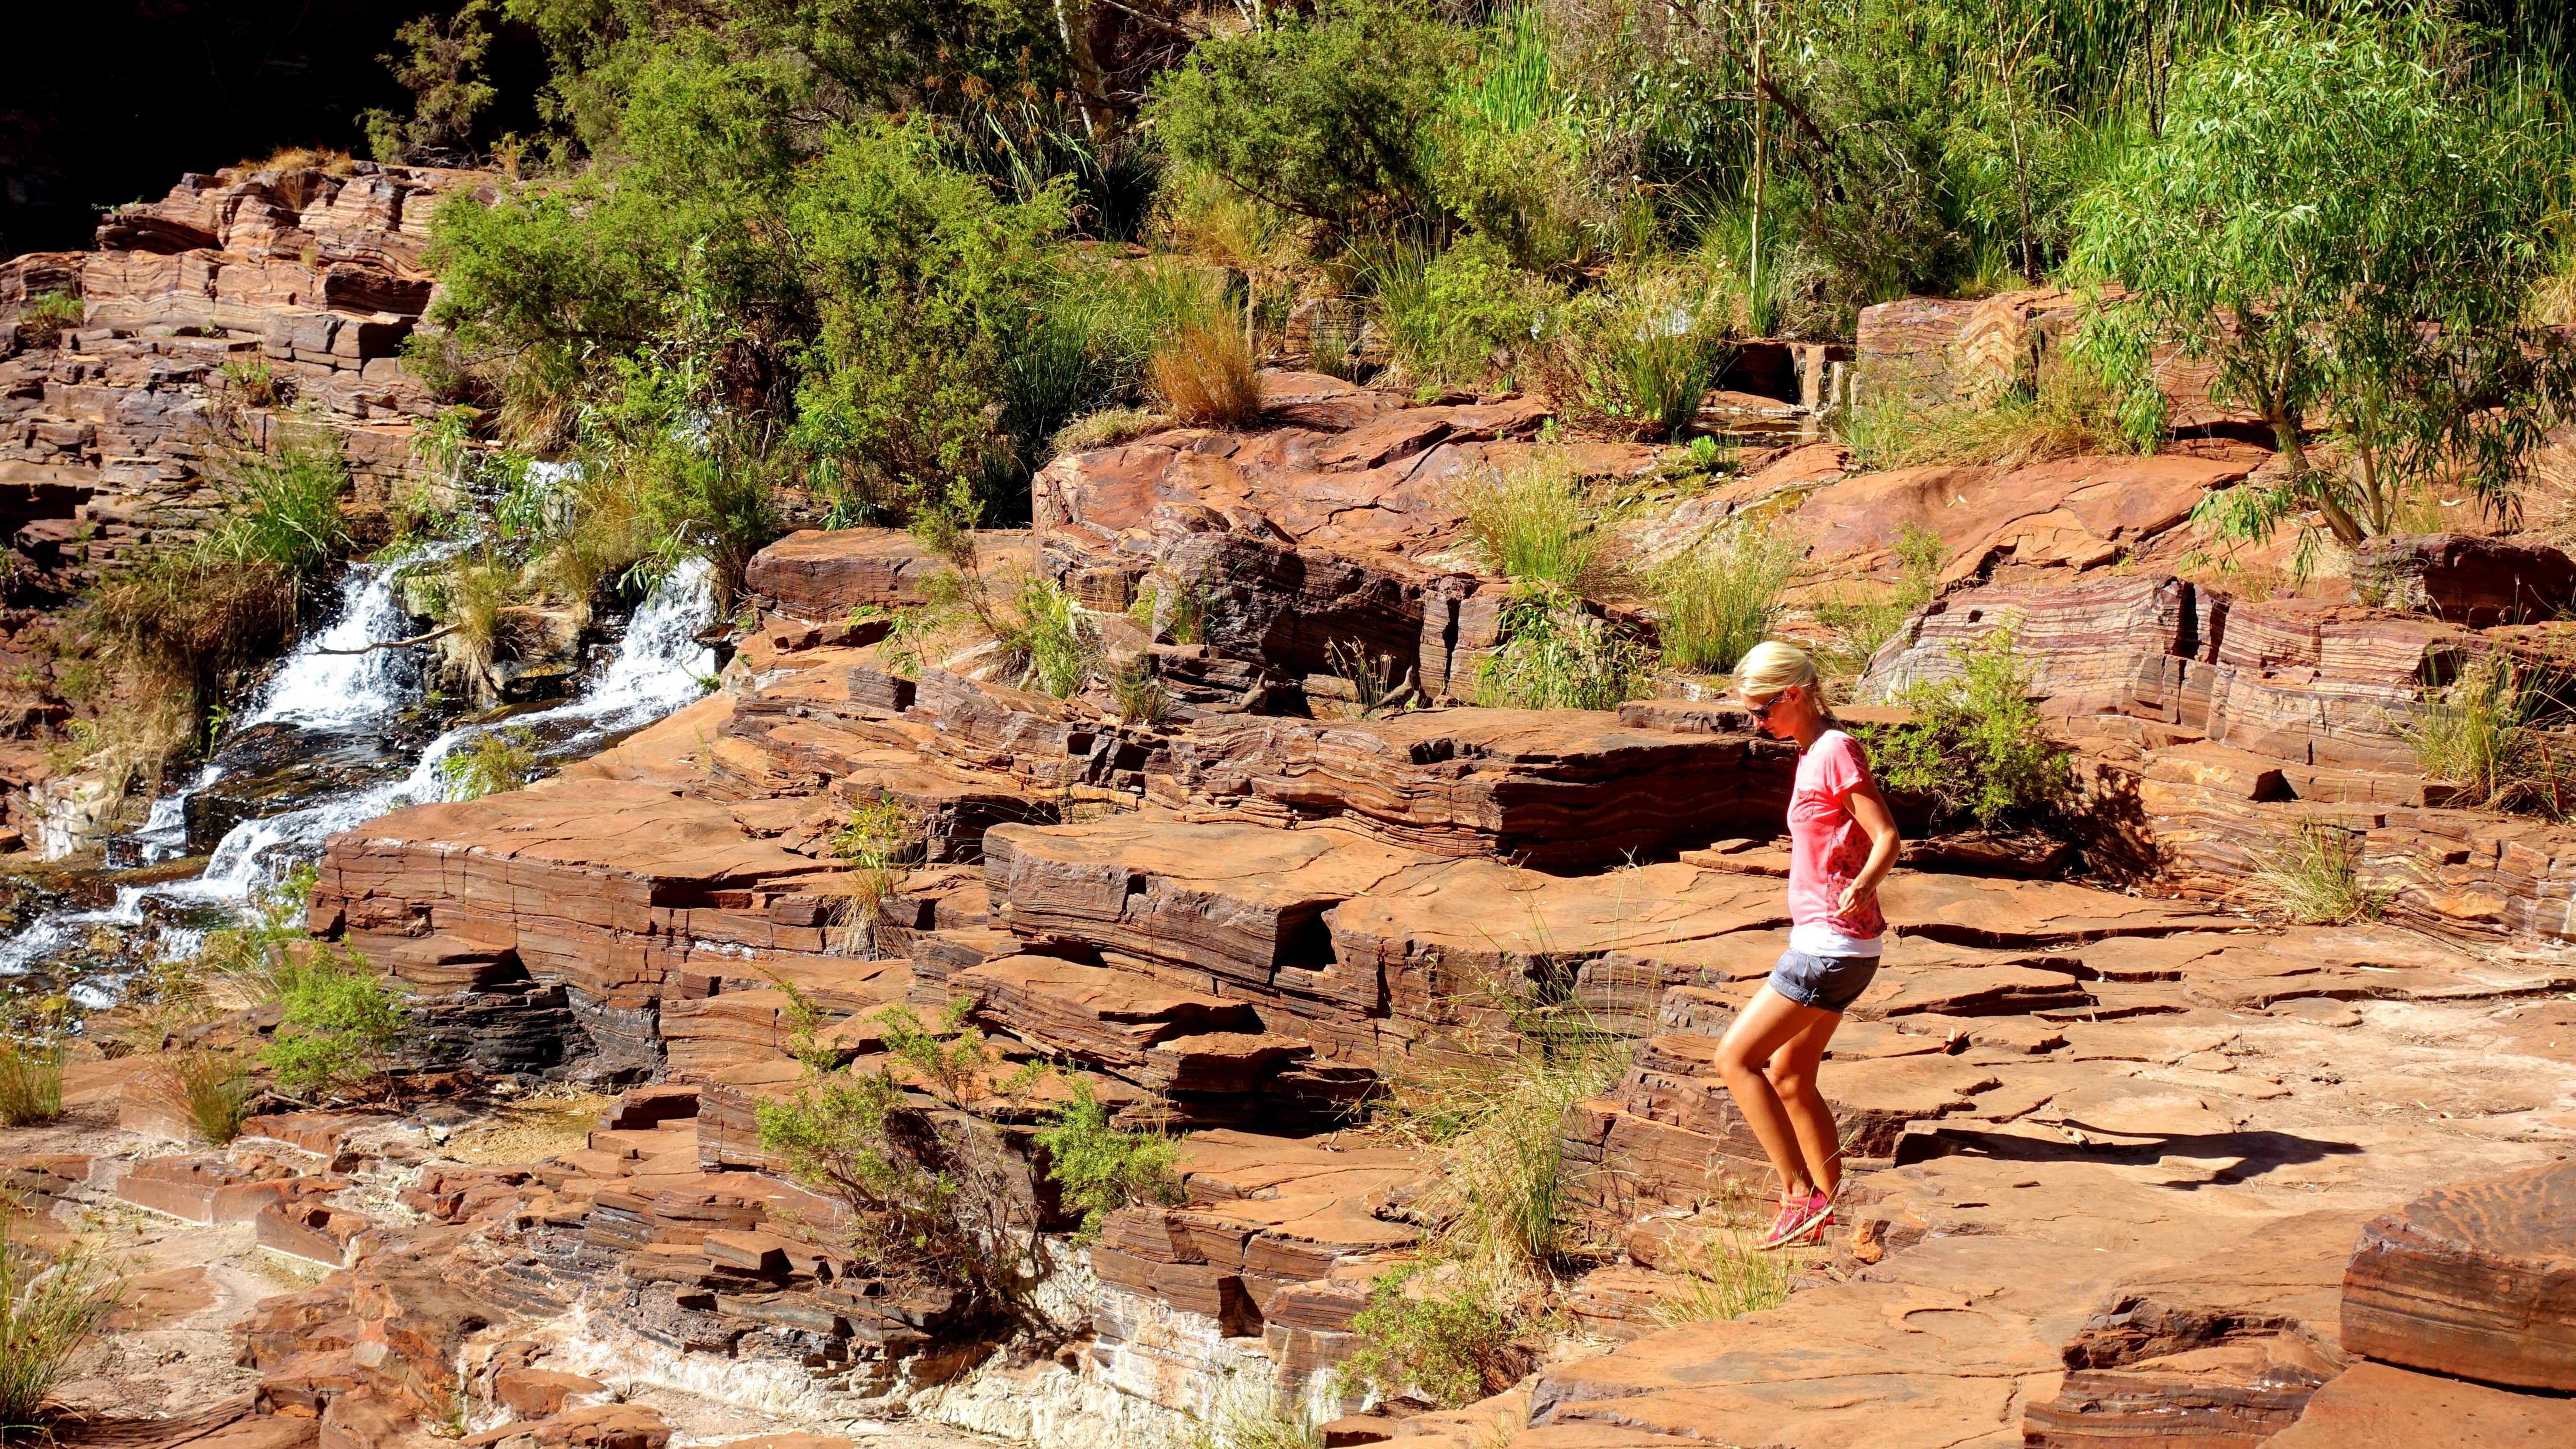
pixel 2065 413
pixel 31 1083
pixel 1107 429
pixel 2488 731
pixel 1208 375
pixel 1530 522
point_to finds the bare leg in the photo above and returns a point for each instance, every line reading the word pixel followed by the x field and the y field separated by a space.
pixel 1766 1027
pixel 1792 1072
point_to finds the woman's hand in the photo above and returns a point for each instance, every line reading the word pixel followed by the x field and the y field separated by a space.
pixel 1855 899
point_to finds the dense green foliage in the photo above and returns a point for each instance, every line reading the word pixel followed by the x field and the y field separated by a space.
pixel 842 258
pixel 1976 746
pixel 341 1027
pixel 1101 1168
pixel 2395 306
pixel 1415 1338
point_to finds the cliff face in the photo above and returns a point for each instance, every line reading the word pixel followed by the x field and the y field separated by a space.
pixel 200 321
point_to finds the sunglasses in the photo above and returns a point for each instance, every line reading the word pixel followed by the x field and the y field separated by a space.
pixel 1762 712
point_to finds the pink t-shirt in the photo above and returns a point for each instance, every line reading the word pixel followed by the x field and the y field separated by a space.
pixel 1827 848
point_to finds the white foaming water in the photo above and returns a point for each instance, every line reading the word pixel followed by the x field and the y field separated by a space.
pixel 332 680
pixel 659 667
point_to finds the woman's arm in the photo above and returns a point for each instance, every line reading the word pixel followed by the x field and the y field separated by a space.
pixel 1870 809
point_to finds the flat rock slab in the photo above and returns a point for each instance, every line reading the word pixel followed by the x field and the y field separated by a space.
pixel 2376 1406
pixel 2477 1280
pixel 2286 1279
pixel 820 575
pixel 2211 1398
pixel 1980 911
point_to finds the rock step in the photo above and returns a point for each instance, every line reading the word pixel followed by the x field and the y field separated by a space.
pixel 1553 789
pixel 2476 1281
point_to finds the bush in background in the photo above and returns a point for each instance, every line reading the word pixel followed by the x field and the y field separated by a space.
pixel 1976 746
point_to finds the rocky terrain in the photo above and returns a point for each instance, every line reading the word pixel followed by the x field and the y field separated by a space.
pixel 2130 1165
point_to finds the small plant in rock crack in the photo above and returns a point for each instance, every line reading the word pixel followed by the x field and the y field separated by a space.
pixel 341 1025
pixel 1101 1168
pixel 934 1194
pixel 2314 878
pixel 1375 688
pixel 2490 731
pixel 880 842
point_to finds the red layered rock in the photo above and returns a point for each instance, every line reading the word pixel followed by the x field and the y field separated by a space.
pixel 1551 789
pixel 2466 579
pixel 823 576
pixel 2375 1406
pixel 2476 1281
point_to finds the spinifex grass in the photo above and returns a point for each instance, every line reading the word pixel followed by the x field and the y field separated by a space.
pixel 50 1305
pixel 2314 878
pixel 31 1083
pixel 1721 598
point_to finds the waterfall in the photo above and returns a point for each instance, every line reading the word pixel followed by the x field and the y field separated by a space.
pixel 659 667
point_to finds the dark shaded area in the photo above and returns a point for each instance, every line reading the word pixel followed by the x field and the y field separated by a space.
pixel 110 101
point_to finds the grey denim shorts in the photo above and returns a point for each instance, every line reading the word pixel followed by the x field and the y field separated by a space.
pixel 1828 983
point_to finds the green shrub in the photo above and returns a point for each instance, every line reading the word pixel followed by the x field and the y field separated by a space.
pixel 1329 117
pixel 1723 597
pixel 51 1304
pixel 1530 523
pixel 932 1197
pixel 31 1083
pixel 1044 631
pixel 1446 316
pixel 1101 1168
pixel 1447 1346
pixel 1555 654
pixel 492 763
pixel 2400 313
pixel 252 951
pixel 1976 746
pixel 341 1028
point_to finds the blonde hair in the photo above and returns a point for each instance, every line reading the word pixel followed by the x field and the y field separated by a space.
pixel 1770 667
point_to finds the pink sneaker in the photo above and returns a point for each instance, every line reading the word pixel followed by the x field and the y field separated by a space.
pixel 1801 1220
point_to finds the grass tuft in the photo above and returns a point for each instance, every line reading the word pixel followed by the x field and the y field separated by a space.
pixel 2314 878
pixel 1723 598
pixel 31 1083
pixel 1208 376
pixel 2488 731
pixel 217 1090
pixel 50 1306
pixel 1863 625
pixel 1529 523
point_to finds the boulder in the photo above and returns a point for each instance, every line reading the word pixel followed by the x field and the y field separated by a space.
pixel 2476 1281
pixel 2469 579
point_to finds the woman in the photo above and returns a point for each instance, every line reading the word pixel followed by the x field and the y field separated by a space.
pixel 1842 841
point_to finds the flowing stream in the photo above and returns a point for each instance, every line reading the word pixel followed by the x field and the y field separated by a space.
pixel 332 740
